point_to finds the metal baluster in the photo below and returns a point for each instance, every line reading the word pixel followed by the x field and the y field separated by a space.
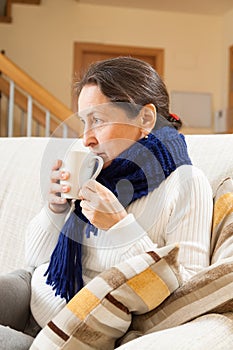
pixel 47 123
pixel 64 131
pixel 29 116
pixel 11 109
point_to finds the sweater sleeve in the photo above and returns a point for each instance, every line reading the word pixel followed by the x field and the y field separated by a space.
pixel 186 219
pixel 190 222
pixel 42 235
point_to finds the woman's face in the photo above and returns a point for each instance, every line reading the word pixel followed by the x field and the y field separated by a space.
pixel 107 129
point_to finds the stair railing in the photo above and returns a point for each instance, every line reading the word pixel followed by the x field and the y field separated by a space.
pixel 40 106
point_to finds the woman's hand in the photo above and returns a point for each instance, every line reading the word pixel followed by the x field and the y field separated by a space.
pixel 100 205
pixel 57 203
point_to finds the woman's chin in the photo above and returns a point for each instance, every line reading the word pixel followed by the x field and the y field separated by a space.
pixel 107 163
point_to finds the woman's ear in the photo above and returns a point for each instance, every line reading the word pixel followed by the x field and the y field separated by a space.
pixel 148 117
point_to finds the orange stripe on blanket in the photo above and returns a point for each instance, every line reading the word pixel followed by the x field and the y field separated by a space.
pixel 222 208
pixel 83 303
pixel 149 286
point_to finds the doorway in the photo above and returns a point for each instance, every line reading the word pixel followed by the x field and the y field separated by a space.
pixel 87 53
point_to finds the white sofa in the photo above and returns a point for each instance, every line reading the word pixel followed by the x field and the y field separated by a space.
pixel 25 165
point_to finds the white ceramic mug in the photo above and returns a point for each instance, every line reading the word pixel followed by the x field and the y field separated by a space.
pixel 82 166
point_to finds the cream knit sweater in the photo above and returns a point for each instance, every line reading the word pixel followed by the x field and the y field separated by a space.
pixel 178 211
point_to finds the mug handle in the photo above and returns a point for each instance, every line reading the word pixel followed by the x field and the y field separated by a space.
pixel 99 167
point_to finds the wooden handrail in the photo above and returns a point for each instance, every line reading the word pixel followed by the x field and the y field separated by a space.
pixel 35 90
pixel 38 93
pixel 21 101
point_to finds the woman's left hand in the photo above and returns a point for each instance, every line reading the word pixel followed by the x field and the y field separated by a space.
pixel 100 205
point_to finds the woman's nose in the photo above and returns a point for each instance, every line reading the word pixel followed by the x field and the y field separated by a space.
pixel 89 138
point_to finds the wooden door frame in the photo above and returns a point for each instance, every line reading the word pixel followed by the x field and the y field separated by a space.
pixel 7 17
pixel 30 2
pixel 230 91
pixel 81 47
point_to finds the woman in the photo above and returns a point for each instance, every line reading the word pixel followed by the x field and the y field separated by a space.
pixel 148 193
pixel 118 101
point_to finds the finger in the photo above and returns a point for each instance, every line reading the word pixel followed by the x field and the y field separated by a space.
pixel 93 197
pixel 57 164
pixel 84 204
pixel 86 193
pixel 92 189
pixel 53 199
pixel 55 176
pixel 97 192
pixel 58 189
pixel 93 186
pixel 87 210
pixel 58 175
pixel 55 188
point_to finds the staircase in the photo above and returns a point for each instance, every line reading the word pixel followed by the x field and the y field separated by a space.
pixel 28 109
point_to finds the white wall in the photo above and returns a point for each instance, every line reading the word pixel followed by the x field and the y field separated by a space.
pixel 41 38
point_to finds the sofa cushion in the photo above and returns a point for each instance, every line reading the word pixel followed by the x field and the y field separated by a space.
pixel 213 155
pixel 20 198
pixel 211 331
pixel 25 166
pixel 102 311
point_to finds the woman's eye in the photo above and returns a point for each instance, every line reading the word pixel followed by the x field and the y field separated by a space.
pixel 97 120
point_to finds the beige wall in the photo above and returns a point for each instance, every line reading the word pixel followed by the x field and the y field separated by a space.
pixel 227 42
pixel 41 38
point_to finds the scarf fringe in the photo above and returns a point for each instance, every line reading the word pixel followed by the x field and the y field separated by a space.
pixel 65 268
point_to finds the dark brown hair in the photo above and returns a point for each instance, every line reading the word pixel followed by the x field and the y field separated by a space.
pixel 127 79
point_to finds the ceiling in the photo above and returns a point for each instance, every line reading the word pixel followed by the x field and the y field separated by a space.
pixel 208 7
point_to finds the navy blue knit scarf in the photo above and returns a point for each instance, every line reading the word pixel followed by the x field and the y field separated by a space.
pixel 133 174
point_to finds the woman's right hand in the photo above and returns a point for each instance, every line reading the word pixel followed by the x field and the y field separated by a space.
pixel 57 203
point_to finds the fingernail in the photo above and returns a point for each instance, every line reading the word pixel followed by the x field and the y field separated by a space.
pixel 65 188
pixel 63 175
